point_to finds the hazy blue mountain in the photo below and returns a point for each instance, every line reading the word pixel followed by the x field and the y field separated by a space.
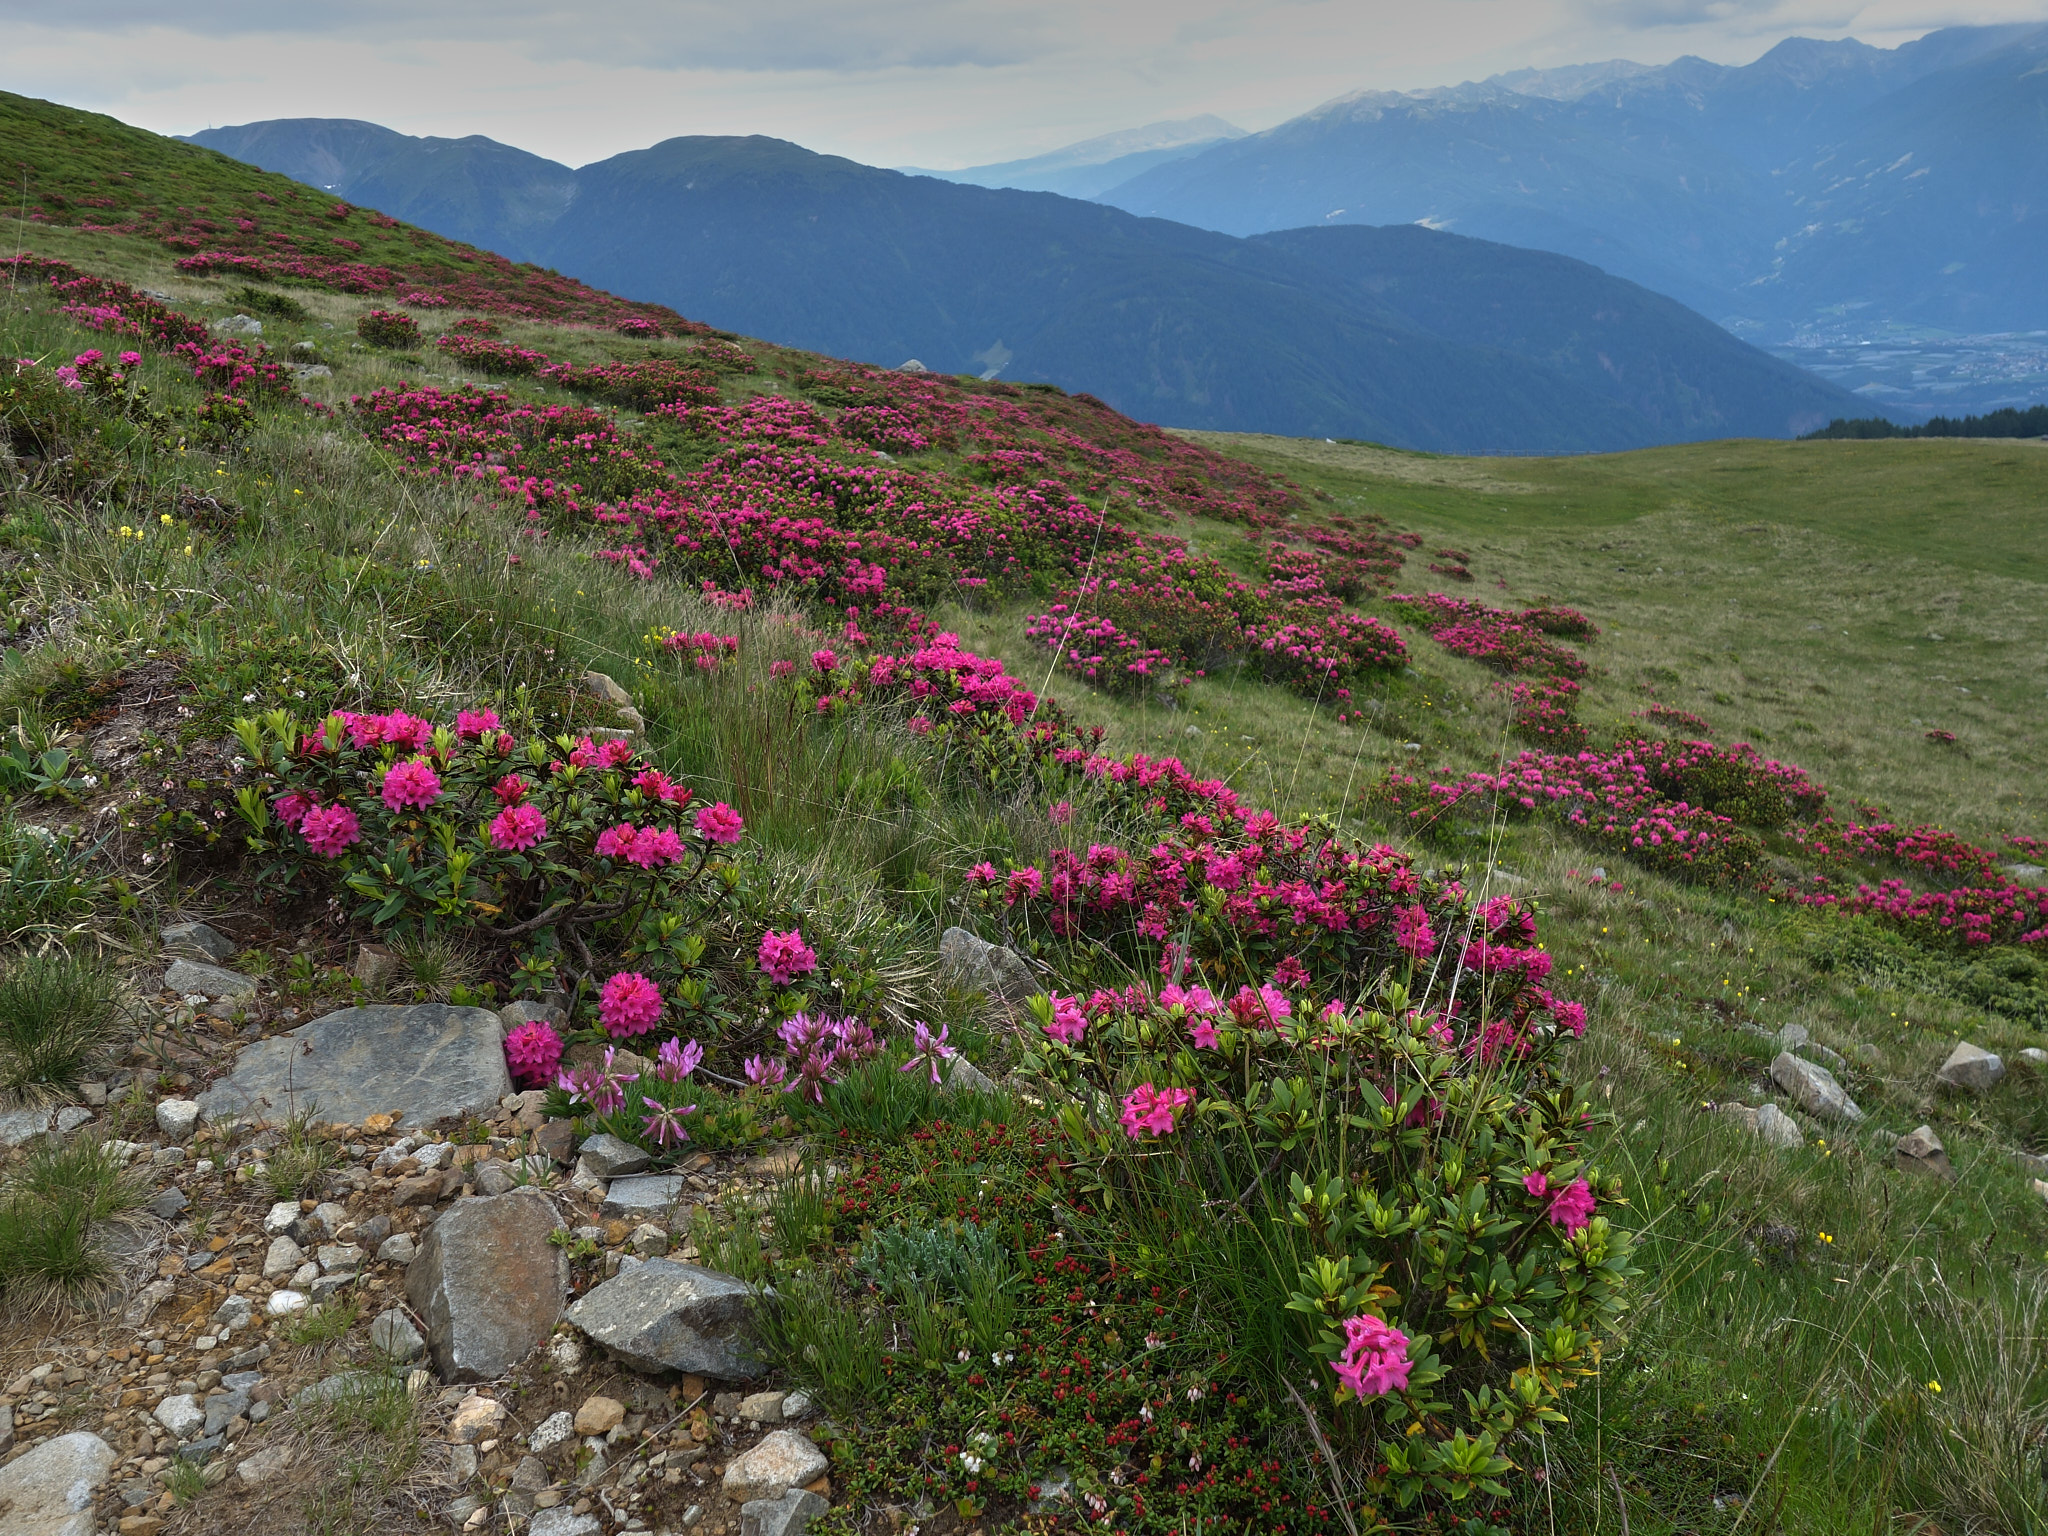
pixel 1405 335
pixel 1777 192
pixel 473 189
pixel 1095 165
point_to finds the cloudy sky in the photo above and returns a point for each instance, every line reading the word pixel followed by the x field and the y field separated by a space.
pixel 939 83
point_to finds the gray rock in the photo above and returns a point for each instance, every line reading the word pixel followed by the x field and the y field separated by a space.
pixel 2025 871
pixel 796 1405
pixel 608 690
pixel 1813 1087
pixel 645 1195
pixel 1921 1151
pixel 377 968
pixel 305 371
pixel 265 1465
pixel 19 1125
pixel 668 1316
pixel 1792 1036
pixel 1775 1128
pixel 400 1248
pixel 493 1178
pixel 235 1312
pixel 790 1515
pixel 607 1157
pixel 556 1429
pixel 488 1283
pixel 1971 1068
pixel 531 1475
pixel 167 1203
pixel 564 1521
pixel 181 1415
pixel 239 325
pixel 282 1258
pixel 422 1063
pixel 512 1015
pixel 1866 1054
pixel 197 941
pixel 394 1335
pixel 223 1408
pixel 331 1214
pixel 187 977
pixel 963 1076
pixel 782 1461
pixel 338 1258
pixel 48 1491
pixel 978 966
pixel 762 1407
pixel 1741 1114
pixel 333 1388
pixel 459 1510
pixel 2034 1056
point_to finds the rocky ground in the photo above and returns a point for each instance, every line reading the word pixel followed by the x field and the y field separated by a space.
pixel 530 1305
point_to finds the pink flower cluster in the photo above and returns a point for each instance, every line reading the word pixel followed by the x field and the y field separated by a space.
pixel 1375 1358
pixel 1149 1111
pixel 533 1051
pixel 629 1004
pixel 785 956
pixel 1569 1206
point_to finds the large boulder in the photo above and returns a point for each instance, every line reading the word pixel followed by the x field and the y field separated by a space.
pixel 1813 1088
pixel 49 1490
pixel 488 1283
pixel 1971 1068
pixel 422 1063
pixel 664 1315
pixel 979 966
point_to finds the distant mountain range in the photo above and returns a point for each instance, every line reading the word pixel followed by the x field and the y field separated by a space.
pixel 1406 335
pixel 1093 166
pixel 1828 186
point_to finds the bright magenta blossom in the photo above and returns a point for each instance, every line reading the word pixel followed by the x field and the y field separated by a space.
pixel 411 783
pixel 628 1005
pixel 785 956
pixel 517 828
pixel 719 823
pixel 533 1050
pixel 328 829
pixel 1150 1109
pixel 1375 1359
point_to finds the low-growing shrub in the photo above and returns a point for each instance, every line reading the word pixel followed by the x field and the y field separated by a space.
pixel 389 328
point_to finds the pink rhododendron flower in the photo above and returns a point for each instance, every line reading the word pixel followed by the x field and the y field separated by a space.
pixel 471 724
pixel 411 783
pixel 719 823
pixel 328 829
pixel 1069 1023
pixel 1413 933
pixel 130 359
pixel 510 790
pixel 616 842
pixel 1061 813
pixel 292 808
pixel 1572 1206
pixel 781 668
pixel 1291 973
pixel 654 847
pixel 1375 1359
pixel 1263 1009
pixel 1150 1109
pixel 517 828
pixel 628 1005
pixel 533 1050
pixel 824 660
pixel 785 956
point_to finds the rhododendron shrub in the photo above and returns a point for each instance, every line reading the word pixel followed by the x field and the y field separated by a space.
pixel 574 857
pixel 1410 1159
pixel 388 328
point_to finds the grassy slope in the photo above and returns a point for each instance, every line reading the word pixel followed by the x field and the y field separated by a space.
pixel 405 591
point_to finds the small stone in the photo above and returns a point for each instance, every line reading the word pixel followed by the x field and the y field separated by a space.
pixel 176 1117
pixel 512 1015
pixel 339 1258
pixel 377 967
pixel 281 1218
pixel 400 1248
pixel 607 1157
pixel 796 1405
pixel 789 1515
pixel 494 1178
pixel 2040 1187
pixel 599 1415
pixel 197 941
pixel 1921 1151
pixel 648 1240
pixel 1814 1088
pixel 394 1336
pixel 762 1407
pixel 284 1303
pixel 283 1257
pixel 1865 1054
pixel 665 1315
pixel 2034 1056
pixel 1777 1129
pixel 644 1196
pixel 1793 1036
pixel 564 1522
pixel 476 1418
pixel 188 978
pixel 556 1429
pixel 462 1462
pixel 782 1461
pixel 167 1203
pixel 181 1415
pixel 331 1215
pixel 1971 1068
pixel 265 1465
pixel 223 1408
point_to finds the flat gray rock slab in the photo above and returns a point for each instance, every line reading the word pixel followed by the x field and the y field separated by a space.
pixel 645 1195
pixel 665 1315
pixel 976 964
pixel 49 1491
pixel 198 941
pixel 422 1063
pixel 18 1125
pixel 186 977
pixel 1813 1088
pixel 488 1283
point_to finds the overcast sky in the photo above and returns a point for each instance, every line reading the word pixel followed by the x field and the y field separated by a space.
pixel 941 83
